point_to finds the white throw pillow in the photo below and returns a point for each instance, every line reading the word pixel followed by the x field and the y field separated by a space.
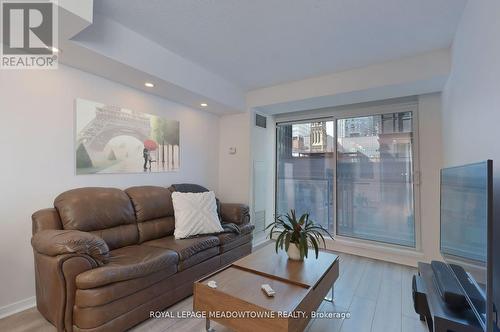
pixel 195 213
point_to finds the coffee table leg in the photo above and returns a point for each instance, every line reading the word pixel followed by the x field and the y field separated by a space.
pixel 330 299
pixel 207 326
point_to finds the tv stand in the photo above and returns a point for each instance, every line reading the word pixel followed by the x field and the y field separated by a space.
pixel 434 311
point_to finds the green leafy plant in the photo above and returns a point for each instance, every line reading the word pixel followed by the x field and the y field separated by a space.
pixel 302 232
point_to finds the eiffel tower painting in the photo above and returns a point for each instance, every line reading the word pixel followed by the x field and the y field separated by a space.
pixel 111 139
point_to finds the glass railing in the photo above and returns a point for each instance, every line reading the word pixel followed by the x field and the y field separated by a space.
pixel 376 211
pixel 313 196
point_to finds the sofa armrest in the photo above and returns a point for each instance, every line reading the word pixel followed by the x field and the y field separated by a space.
pixel 55 282
pixel 234 213
pixel 60 242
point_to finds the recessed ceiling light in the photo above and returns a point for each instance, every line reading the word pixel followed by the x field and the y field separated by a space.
pixel 149 85
pixel 203 104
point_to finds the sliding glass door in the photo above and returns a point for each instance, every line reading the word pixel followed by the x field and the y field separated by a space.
pixel 304 172
pixel 354 175
pixel 375 178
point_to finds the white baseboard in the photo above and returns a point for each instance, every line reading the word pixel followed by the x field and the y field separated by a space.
pixel 16 307
pixel 260 244
pixel 378 251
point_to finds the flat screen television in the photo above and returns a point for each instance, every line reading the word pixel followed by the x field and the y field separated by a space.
pixel 466 230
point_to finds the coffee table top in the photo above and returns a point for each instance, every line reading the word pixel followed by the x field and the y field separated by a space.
pixel 307 273
pixel 292 280
pixel 300 288
pixel 246 285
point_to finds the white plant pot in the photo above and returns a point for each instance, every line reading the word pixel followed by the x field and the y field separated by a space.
pixel 293 252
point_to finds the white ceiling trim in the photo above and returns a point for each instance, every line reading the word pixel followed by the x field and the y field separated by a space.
pixel 105 48
pixel 424 73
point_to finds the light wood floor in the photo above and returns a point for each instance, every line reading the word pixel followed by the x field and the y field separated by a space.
pixel 377 295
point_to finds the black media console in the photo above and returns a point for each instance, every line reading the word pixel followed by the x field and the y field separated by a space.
pixel 431 287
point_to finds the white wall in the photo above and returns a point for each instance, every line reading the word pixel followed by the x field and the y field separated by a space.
pixel 471 99
pixel 431 154
pixel 234 169
pixel 263 147
pixel 36 144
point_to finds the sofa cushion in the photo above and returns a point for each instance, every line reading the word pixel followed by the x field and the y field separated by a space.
pixel 198 258
pixel 129 263
pixel 230 241
pixel 151 202
pixel 235 213
pixel 94 297
pixel 190 251
pixel 185 248
pixel 107 212
pixel 154 211
pixel 156 228
pixel 235 242
pixel 109 315
pixel 119 236
pixel 245 229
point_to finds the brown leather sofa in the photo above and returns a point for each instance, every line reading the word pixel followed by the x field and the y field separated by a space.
pixel 105 258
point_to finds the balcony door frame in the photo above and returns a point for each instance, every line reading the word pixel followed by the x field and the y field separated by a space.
pixel 338 113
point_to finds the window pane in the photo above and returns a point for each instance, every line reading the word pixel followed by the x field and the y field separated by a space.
pixel 375 178
pixel 305 160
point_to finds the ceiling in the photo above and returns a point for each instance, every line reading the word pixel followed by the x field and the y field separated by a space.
pixel 259 43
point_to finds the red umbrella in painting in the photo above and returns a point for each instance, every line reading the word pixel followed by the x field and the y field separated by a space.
pixel 150 145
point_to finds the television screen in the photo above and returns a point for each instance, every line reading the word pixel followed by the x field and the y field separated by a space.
pixel 465 214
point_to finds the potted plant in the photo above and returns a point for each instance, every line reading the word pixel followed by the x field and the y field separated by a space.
pixel 296 235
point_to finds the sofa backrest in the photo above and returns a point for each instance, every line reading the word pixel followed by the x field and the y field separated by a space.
pixel 45 219
pixel 154 211
pixel 106 212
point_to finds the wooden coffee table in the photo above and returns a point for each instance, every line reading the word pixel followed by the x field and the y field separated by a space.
pixel 239 303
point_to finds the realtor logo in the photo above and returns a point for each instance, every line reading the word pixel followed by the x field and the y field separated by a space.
pixel 29 35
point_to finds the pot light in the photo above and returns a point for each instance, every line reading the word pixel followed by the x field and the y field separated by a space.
pixel 149 85
pixel 203 104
